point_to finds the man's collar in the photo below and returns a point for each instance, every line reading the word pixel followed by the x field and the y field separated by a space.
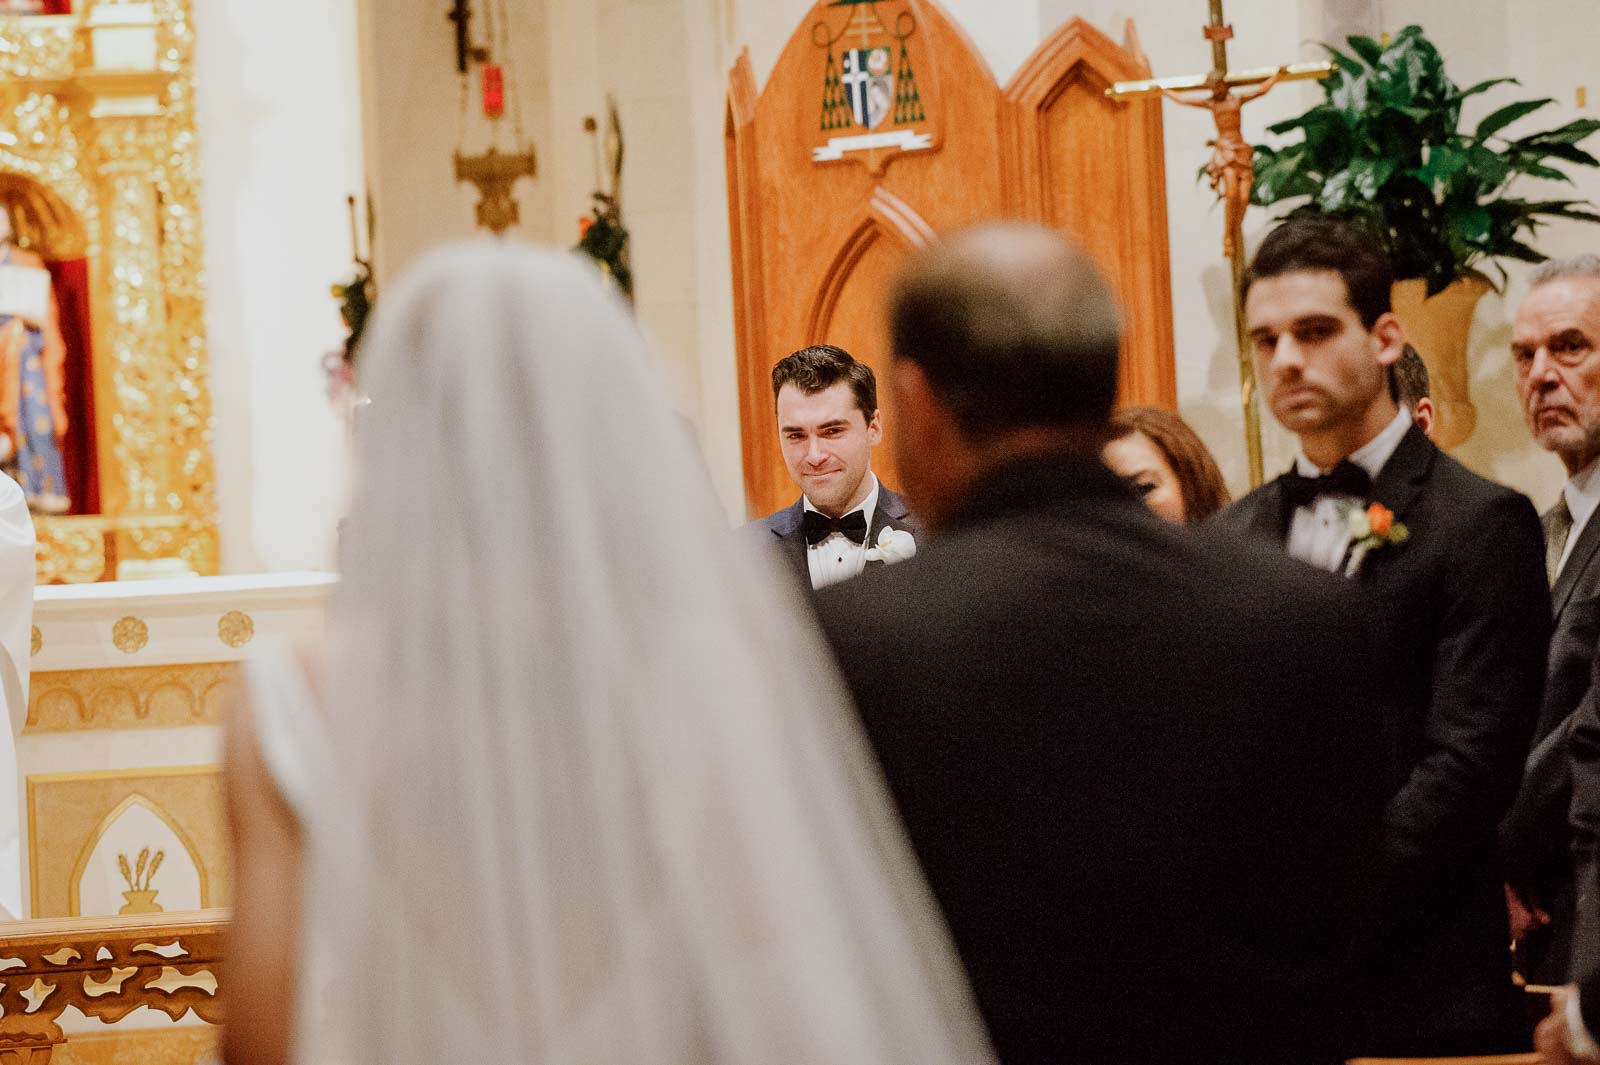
pixel 1371 456
pixel 1582 492
pixel 867 507
pixel 1040 479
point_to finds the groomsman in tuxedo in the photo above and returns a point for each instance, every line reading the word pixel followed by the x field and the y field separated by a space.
pixel 1451 565
pixel 828 424
pixel 1554 345
pixel 1137 762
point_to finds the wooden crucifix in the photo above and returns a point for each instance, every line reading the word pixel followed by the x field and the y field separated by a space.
pixel 1231 172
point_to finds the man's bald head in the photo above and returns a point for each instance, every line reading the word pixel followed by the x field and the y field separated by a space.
pixel 1013 327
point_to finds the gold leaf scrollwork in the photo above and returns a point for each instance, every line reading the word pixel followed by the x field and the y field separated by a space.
pixel 37 641
pixel 133 183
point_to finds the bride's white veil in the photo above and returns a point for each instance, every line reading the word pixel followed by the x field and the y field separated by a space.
pixel 601 799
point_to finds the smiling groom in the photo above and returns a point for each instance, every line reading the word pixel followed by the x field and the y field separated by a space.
pixel 828 424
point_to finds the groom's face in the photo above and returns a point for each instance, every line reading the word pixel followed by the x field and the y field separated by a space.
pixel 827 444
pixel 1318 364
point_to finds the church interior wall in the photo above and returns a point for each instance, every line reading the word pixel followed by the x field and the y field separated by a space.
pixel 278 108
pixel 666 62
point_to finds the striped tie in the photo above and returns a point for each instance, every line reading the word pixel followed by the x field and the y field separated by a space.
pixel 1557 527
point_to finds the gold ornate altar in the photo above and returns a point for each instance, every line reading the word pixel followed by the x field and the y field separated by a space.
pixel 98 161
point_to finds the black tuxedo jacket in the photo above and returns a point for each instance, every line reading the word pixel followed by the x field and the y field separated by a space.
pixel 1535 834
pixel 782 529
pixel 1137 802
pixel 1467 611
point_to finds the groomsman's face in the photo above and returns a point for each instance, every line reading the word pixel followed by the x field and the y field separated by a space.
pixel 827 445
pixel 1553 345
pixel 1320 367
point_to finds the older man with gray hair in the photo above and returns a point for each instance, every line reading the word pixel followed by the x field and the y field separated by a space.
pixel 1554 346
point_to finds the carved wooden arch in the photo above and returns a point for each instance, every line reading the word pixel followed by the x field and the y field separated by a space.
pixel 749 287
pixel 813 209
pixel 1060 129
pixel 885 215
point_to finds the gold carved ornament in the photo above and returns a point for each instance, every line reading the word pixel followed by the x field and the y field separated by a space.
pixel 236 628
pixel 140 895
pixel 129 697
pixel 130 635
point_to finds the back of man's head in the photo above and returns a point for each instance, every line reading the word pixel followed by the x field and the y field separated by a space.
pixel 1013 327
pixel 1410 377
pixel 1317 243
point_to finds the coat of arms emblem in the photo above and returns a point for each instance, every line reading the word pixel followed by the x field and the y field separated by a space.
pixel 871 83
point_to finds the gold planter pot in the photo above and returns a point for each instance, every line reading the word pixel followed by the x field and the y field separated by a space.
pixel 1438 328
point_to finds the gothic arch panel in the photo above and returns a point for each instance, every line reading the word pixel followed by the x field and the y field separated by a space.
pixel 1096 168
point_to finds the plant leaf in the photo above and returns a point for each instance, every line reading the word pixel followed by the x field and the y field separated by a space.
pixel 1344 62
pixel 1570 153
pixel 1483 86
pixel 1571 133
pixel 1508 114
pixel 1370 175
pixel 1515 249
pixel 1366 48
pixel 1336 191
pixel 1549 173
pixel 1488 166
pixel 1474 225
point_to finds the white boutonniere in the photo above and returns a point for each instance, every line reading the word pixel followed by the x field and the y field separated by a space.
pixel 894 545
pixel 1371 529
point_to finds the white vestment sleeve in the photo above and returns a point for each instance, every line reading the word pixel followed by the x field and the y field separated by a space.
pixel 17 574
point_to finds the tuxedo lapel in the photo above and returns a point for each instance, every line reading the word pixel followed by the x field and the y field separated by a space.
pixel 791 539
pixel 890 513
pixel 1399 483
pixel 1581 558
pixel 1401 480
pixel 1270 518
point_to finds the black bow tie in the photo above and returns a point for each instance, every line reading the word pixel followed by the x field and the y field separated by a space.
pixel 1345 479
pixel 818 527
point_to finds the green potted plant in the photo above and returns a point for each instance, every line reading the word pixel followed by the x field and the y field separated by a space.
pixel 1385 149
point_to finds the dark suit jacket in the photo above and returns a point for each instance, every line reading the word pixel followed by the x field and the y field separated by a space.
pixel 1535 834
pixel 1467 606
pixel 781 529
pixel 1136 801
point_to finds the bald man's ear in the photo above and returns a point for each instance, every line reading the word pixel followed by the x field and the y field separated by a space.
pixel 916 405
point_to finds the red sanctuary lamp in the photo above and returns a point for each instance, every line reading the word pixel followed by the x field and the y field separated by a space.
pixel 494 172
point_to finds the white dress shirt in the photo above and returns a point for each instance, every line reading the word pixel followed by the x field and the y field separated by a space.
pixel 1582 493
pixel 838 558
pixel 1320 533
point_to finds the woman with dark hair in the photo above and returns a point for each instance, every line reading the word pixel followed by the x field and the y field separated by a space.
pixel 1166 463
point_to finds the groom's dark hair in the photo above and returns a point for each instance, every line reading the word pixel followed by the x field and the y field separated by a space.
pixel 822 366
pixel 1317 243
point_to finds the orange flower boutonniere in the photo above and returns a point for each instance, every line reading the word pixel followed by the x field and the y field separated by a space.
pixel 1370 529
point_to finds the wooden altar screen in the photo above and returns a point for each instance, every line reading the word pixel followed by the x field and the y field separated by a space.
pixel 880 126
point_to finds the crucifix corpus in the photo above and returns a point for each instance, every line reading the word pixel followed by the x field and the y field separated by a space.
pixel 1231 172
